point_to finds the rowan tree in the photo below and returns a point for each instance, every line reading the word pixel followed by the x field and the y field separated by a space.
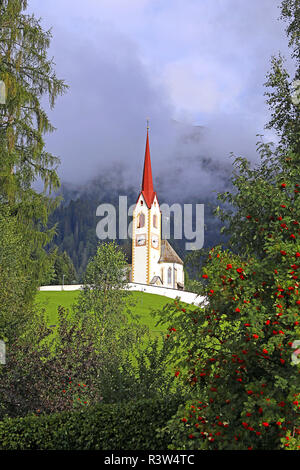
pixel 238 348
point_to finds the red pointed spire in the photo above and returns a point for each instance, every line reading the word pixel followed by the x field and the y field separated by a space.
pixel 147 184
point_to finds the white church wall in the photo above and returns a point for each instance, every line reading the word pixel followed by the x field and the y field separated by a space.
pixel 172 267
pixel 169 278
pixel 145 257
pixel 140 253
pixel 155 239
pixel 180 274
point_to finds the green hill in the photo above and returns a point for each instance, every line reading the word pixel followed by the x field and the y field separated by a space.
pixel 144 304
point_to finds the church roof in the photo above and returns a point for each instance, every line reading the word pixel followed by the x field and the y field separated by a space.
pixel 168 254
pixel 147 184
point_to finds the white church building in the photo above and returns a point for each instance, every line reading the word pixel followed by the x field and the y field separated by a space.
pixel 154 261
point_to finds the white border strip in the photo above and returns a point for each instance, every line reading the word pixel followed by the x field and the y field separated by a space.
pixel 187 297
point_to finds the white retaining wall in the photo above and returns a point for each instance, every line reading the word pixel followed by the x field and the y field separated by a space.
pixel 187 297
pixel 58 288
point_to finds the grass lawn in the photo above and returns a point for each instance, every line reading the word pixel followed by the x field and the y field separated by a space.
pixel 50 301
pixel 144 303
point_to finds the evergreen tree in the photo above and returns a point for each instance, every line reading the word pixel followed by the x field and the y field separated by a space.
pixel 29 76
pixel 16 288
pixel 64 271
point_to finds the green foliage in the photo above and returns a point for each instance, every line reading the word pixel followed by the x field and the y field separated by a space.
pixel 100 345
pixel 29 76
pixel 104 307
pixel 76 220
pixel 47 372
pixel 290 12
pixel 193 264
pixel 103 304
pixel 291 441
pixel 125 426
pixel 237 360
pixel 64 271
pixel 16 286
pixel 285 112
pixel 237 352
pixel 258 197
pixel 41 370
pixel 104 286
pixel 149 375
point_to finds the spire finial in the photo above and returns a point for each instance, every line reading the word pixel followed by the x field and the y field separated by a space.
pixel 148 123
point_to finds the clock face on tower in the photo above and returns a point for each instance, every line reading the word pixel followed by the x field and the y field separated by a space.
pixel 154 241
pixel 140 239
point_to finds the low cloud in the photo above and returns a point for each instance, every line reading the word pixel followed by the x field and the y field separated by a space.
pixel 178 62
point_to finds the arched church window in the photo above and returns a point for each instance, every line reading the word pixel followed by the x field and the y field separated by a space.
pixel 141 220
pixel 155 221
pixel 169 276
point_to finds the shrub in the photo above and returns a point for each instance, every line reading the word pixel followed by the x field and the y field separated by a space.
pixel 122 426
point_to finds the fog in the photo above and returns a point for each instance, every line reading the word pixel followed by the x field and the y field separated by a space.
pixel 195 69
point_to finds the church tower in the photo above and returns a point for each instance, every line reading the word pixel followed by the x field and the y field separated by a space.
pixel 146 236
pixel 154 261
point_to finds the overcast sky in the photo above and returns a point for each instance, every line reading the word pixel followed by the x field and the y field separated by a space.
pixel 198 62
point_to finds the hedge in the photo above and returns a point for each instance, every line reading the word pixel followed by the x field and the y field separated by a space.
pixel 122 426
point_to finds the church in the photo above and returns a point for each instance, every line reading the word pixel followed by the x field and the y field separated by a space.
pixel 154 261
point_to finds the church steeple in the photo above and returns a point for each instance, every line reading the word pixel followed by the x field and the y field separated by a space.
pixel 147 184
pixel 151 264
